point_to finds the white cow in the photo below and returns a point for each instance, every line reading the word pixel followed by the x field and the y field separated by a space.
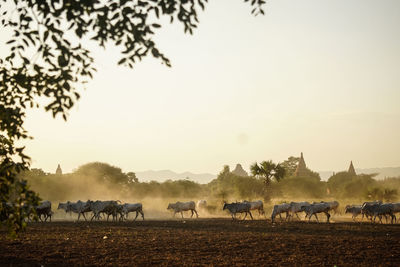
pixel 201 204
pixel 256 205
pixel 316 208
pixel 366 209
pixel 279 209
pixel 333 205
pixel 377 210
pixel 296 207
pixel 136 207
pixel 238 208
pixel 109 207
pixel 183 206
pixel 79 207
pixel 355 210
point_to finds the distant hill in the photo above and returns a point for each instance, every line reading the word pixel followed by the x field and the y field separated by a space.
pixel 161 176
pixel 382 172
pixel 204 178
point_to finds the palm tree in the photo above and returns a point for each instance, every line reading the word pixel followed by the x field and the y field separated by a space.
pixel 268 171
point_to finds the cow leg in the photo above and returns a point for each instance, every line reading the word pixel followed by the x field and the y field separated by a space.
pixel 280 216
pixel 182 214
pixel 192 213
pixel 316 217
pixel 141 212
pixel 327 216
pixel 137 214
pixel 251 216
pixel 245 215
pixel 197 215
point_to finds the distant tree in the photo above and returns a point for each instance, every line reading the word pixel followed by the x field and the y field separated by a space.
pixel 224 173
pixel 103 172
pixel 290 165
pixel 132 177
pixel 389 195
pixel 346 185
pixel 375 193
pixel 268 171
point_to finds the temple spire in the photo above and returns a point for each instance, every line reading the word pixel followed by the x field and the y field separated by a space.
pixel 239 171
pixel 301 169
pixel 351 170
pixel 58 171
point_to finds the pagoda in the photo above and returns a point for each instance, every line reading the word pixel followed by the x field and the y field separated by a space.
pixel 239 171
pixel 59 171
pixel 351 170
pixel 301 169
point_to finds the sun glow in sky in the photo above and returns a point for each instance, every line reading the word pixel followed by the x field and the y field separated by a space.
pixel 314 76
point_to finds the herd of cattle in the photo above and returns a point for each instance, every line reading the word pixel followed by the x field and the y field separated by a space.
pixel 119 211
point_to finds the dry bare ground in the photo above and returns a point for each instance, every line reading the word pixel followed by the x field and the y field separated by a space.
pixel 203 242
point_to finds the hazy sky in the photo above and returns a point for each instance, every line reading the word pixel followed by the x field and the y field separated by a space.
pixel 315 76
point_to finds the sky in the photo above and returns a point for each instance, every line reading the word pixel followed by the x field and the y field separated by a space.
pixel 314 76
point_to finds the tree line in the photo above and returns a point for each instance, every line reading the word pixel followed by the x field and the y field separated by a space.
pixel 267 181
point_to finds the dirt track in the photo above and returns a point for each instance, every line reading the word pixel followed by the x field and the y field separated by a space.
pixel 203 242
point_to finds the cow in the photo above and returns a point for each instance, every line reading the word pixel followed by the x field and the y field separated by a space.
pixel 109 207
pixel 366 210
pixel 183 206
pixel 201 204
pixel 316 208
pixel 396 207
pixel 377 210
pixel 79 207
pixel 296 207
pixel 44 208
pixel 256 205
pixel 355 210
pixel 137 207
pixel 238 208
pixel 279 209
pixel 333 205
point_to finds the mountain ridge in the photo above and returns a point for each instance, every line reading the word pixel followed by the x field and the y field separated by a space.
pixel 203 178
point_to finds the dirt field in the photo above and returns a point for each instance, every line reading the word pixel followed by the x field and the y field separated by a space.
pixel 203 242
